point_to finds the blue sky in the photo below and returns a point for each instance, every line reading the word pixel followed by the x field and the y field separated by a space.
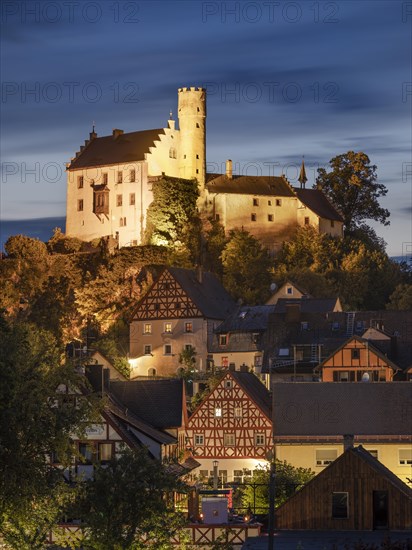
pixel 284 79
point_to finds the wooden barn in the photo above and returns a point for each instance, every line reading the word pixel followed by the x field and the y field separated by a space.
pixel 355 492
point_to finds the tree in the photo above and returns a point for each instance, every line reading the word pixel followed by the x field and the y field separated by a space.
pixel 246 268
pixel 287 480
pixel 38 417
pixel 401 298
pixel 352 187
pixel 126 505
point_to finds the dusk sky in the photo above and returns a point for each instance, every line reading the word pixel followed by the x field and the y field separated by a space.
pixel 284 79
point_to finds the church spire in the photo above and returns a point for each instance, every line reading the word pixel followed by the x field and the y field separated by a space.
pixel 302 176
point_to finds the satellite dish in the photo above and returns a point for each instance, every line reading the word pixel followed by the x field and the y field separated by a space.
pixel 365 377
pixel 273 287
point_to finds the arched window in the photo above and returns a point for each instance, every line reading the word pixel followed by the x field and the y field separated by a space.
pixel 151 372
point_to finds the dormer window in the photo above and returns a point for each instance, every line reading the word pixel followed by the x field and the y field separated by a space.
pixel 222 339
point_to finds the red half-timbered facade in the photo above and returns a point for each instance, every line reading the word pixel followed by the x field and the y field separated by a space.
pixel 233 426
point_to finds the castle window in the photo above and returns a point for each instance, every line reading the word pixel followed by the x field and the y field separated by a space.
pixel 222 339
pixel 119 200
pixel 269 203
pixel 197 125
pixel 100 200
pixel 184 156
pixel 197 156
pixel 122 222
pixel 80 182
pixel 255 202
pixel 147 328
pixel 80 205
pixel 147 350
pixel 270 217
pixel 132 199
pixel 151 372
pixel 217 217
pixel 120 177
pixel 105 178
pixel 197 170
pixel 168 327
pixel 172 153
pixel 132 175
pixel 278 202
pixel 167 350
pixel 306 221
pixel 253 217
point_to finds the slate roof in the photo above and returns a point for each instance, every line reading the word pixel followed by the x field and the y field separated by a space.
pixel 250 185
pixel 125 148
pixel 307 305
pixel 247 319
pixel 210 296
pixel 318 203
pixel 156 402
pixel 255 389
pixel 310 409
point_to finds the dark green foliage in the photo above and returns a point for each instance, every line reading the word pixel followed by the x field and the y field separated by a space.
pixel 215 242
pixel 401 298
pixel 61 244
pixel 352 187
pixel 246 268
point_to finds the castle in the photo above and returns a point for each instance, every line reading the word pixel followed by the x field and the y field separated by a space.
pixel 109 184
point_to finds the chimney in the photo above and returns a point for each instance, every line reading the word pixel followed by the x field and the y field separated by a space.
pixel 117 133
pixel 243 368
pixel 229 169
pixel 348 441
pixel 232 367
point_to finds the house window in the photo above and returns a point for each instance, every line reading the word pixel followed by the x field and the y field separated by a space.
pixel 373 452
pixel 343 376
pixel 177 305
pixel 167 350
pixel 259 440
pixel 278 202
pixel 188 327
pixel 222 339
pixel 147 350
pixel 355 353
pixel 405 457
pixel 80 182
pixel 80 205
pixel 147 328
pixel 168 327
pixel 86 451
pixel 225 361
pixel 156 306
pixel 284 352
pixel 255 202
pixel 238 476
pixel 306 220
pixel 228 384
pixel 340 508
pixel 253 217
pixel 304 325
pixel 105 452
pixel 335 326
pixel 119 200
pixel 105 178
pixel 132 175
pixel 119 177
pixel 151 372
pixel 229 440
pixel 289 290
pixel 238 413
pixel 199 439
pixel 325 456
pixel 132 199
pixel 270 217
pixel 218 412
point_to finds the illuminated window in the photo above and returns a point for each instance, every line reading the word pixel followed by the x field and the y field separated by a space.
pixel 167 350
pixel 229 440
pixel 148 349
pixel 325 456
pixel 340 508
pixel 80 182
pixel 278 202
pixel 405 457
pixel 199 439
pixel 168 327
pixel 218 412
pixel 188 327
pixel 132 175
pixel 105 452
pixel 119 200
pixel 80 205
pixel 132 199
pixel 147 328
pixel 253 217
pixel 119 177
pixel 222 339
pixel 259 439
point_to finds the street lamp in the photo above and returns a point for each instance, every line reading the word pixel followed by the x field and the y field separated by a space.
pixel 215 475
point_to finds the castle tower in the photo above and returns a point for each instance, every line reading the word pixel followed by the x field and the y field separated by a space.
pixel 192 125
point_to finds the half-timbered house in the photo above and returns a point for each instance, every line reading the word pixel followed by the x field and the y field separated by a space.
pixel 233 426
pixel 179 312
pixel 355 492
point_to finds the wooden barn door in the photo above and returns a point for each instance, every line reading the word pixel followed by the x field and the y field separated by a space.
pixel 380 510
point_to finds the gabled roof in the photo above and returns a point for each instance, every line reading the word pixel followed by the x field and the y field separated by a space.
pixel 124 148
pixel 247 319
pixel 159 403
pixel 318 203
pixel 339 408
pixel 309 305
pixel 255 389
pixel 365 344
pixel 250 185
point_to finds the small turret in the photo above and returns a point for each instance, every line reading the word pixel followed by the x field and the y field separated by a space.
pixel 302 176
